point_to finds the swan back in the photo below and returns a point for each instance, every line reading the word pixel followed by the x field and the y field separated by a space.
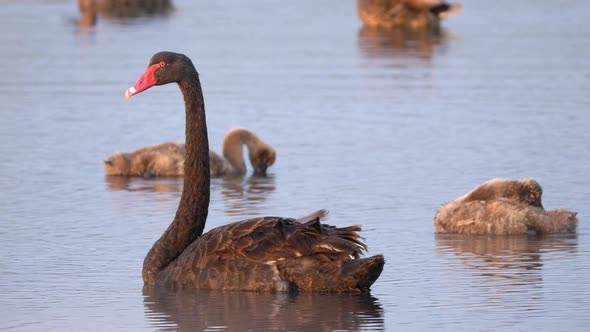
pixel 166 159
pixel 481 217
pixel 219 166
pixel 526 190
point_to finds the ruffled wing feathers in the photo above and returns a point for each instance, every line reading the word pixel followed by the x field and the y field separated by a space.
pixel 271 239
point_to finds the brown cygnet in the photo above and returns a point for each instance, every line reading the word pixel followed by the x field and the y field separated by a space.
pixel 503 206
pixel 167 159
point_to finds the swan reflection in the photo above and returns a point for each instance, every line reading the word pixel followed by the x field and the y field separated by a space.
pixel 420 43
pixel 244 196
pixel 160 185
pixel 199 310
pixel 240 196
pixel 503 268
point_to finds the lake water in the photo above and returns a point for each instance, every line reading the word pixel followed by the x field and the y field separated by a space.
pixel 378 128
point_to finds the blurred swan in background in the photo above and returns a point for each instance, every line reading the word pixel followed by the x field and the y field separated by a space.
pixel 409 13
pixel 120 8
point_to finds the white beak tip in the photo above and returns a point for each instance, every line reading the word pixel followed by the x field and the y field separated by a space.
pixel 130 92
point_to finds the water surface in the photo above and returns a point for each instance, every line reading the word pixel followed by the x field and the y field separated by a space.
pixel 379 128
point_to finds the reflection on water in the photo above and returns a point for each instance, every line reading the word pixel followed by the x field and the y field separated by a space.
pixel 160 185
pixel 400 42
pixel 495 255
pixel 239 195
pixel 199 310
pixel 244 195
pixel 500 269
pixel 377 126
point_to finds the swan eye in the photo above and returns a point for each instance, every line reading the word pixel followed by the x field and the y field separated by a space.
pixel 162 64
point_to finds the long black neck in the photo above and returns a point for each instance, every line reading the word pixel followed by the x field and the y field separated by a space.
pixel 191 215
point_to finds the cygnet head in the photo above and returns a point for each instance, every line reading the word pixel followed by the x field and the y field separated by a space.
pixel 262 157
pixel 530 191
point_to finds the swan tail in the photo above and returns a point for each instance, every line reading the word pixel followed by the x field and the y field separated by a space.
pixel 364 272
pixel 444 10
pixel 334 239
pixel 350 275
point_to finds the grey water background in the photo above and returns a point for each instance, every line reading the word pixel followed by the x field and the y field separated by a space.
pixel 379 128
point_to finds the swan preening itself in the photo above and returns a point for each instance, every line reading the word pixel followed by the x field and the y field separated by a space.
pixel 167 159
pixel 404 13
pixel 260 254
pixel 503 206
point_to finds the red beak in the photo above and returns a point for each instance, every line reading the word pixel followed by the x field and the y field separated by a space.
pixel 146 81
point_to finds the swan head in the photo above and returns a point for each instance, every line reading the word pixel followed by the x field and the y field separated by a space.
pixel 262 157
pixel 164 68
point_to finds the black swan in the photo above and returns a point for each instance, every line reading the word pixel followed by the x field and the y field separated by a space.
pixel 404 13
pixel 504 207
pixel 167 159
pixel 260 254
